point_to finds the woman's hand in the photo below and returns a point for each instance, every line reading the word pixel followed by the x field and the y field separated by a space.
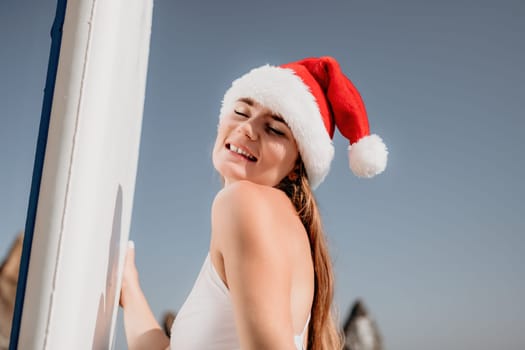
pixel 142 329
pixel 130 276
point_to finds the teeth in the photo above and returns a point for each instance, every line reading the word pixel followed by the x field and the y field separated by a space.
pixel 241 152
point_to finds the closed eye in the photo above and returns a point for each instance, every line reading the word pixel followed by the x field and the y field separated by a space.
pixel 241 114
pixel 276 131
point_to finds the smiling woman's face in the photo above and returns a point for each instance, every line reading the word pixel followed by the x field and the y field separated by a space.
pixel 253 144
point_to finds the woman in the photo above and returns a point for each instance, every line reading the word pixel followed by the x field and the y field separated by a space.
pixel 267 282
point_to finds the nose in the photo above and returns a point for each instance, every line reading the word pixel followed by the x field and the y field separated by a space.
pixel 248 129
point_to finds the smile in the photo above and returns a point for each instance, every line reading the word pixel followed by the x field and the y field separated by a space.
pixel 241 151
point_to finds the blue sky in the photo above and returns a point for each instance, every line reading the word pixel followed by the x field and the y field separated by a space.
pixel 434 245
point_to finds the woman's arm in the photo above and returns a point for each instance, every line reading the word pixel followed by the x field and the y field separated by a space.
pixel 142 329
pixel 248 226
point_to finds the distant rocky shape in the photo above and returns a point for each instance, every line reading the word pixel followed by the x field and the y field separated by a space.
pixel 167 321
pixel 360 330
pixel 8 281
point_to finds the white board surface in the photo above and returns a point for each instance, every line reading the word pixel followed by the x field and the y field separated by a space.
pixel 86 194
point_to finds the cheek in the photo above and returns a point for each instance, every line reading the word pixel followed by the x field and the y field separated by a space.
pixel 219 141
pixel 283 154
pixel 222 130
pixel 289 163
pixel 217 144
pixel 290 157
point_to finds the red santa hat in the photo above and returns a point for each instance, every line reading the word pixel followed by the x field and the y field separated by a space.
pixel 314 97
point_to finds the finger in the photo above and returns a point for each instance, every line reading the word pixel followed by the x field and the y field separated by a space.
pixel 130 254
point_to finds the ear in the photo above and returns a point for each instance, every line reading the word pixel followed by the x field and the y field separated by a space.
pixel 293 175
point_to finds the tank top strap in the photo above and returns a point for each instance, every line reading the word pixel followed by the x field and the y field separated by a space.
pixel 306 326
pixel 299 339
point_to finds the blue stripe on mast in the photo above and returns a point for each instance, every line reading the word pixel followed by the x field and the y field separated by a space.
pixel 56 40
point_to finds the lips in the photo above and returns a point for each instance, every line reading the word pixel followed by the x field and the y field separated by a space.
pixel 241 151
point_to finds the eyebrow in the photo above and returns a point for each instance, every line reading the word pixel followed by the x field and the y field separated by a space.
pixel 250 102
pixel 279 119
pixel 247 100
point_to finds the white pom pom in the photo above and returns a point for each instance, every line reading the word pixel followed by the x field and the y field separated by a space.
pixel 368 156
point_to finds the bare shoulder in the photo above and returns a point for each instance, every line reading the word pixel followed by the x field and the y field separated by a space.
pixel 252 214
pixel 250 197
pixel 257 237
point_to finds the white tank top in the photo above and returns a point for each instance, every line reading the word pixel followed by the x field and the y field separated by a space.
pixel 206 319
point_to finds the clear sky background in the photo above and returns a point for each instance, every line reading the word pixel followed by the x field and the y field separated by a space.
pixel 435 245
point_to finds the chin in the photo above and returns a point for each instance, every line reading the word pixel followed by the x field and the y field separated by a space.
pixel 262 182
pixel 232 172
pixel 230 175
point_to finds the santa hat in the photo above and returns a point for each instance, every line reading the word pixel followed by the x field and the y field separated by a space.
pixel 313 96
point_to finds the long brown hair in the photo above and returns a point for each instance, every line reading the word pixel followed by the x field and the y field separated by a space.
pixel 323 333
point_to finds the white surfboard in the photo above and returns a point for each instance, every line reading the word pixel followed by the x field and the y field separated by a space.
pixel 83 214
